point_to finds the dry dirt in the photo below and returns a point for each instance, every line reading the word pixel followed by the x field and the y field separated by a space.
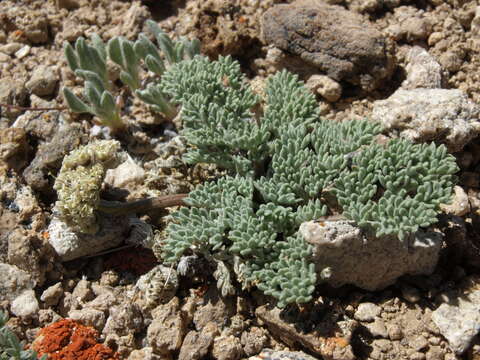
pixel 197 323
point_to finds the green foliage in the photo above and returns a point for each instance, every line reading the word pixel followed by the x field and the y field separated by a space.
pixel 89 61
pixel 282 165
pixel 10 347
pixel 413 181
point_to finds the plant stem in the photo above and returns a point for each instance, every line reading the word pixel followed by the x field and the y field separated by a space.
pixel 124 208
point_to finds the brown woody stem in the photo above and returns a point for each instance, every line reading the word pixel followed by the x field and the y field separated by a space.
pixel 144 205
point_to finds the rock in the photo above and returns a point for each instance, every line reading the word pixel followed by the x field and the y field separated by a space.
pixel 14 148
pixel 22 52
pixel 25 305
pixel 49 156
pixel 47 317
pixel 411 294
pixel 282 355
pixel 367 312
pixel 328 88
pixel 70 245
pixel 82 292
pixel 159 285
pixel 253 340
pixel 196 345
pixel 394 332
pixel 216 309
pixel 30 252
pixel 13 282
pixel 459 320
pixel 89 317
pixel 145 354
pixel 227 348
pixel 459 205
pixel 43 81
pixel 126 173
pixel 10 48
pixel 415 28
pixel 378 329
pixel 337 42
pixel 13 92
pixel 343 255
pixel 334 346
pixel 124 319
pixel 423 71
pixel 443 115
pixel 168 328
pixel 52 295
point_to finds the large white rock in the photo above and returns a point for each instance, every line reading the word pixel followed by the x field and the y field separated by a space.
pixel 421 115
pixel 344 255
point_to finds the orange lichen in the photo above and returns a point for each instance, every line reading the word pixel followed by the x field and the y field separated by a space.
pixel 68 340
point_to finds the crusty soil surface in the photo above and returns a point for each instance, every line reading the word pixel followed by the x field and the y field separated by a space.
pixel 32 33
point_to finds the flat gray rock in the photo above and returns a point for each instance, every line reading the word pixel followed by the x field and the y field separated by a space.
pixel 446 116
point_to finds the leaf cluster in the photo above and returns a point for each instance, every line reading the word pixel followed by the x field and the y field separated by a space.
pixel 89 62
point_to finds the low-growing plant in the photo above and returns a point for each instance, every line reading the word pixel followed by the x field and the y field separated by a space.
pixel 283 167
pixel 89 62
pixel 11 348
pixel 286 166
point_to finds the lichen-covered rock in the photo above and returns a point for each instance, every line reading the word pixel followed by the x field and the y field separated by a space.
pixel 124 319
pixel 343 255
pixel 422 115
pixel 159 285
pixel 335 41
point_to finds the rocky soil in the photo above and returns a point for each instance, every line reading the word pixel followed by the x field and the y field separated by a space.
pixel 414 66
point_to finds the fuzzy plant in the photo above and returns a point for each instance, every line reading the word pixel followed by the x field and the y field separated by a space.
pixel 79 184
pixel 283 167
pixel 89 62
pixel 11 348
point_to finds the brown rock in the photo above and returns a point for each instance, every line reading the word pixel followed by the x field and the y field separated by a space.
pixel 167 330
pixel 336 41
pixel 227 348
pixel 330 340
pixel 50 155
pixel 197 344
pixel 14 148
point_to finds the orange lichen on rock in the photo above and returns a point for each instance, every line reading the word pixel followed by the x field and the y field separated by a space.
pixel 68 340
